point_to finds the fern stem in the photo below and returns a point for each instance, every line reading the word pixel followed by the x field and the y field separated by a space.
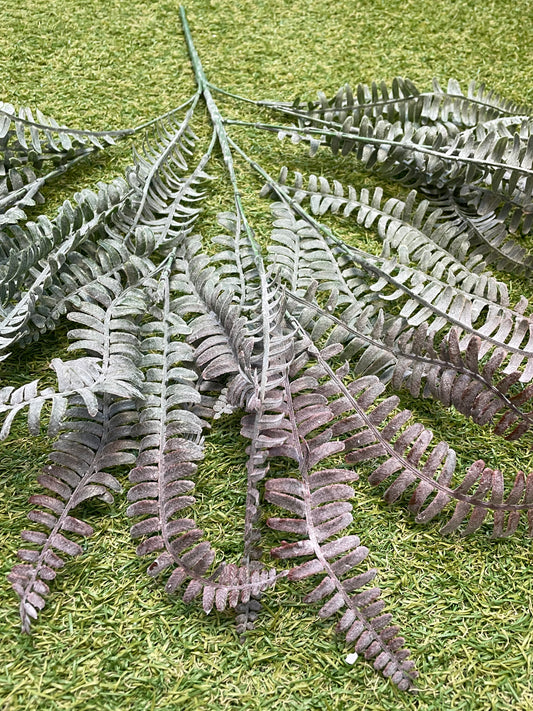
pixel 234 96
pixel 218 124
pixel 150 122
pixel 224 143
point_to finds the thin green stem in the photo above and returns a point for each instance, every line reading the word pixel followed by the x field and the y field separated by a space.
pixel 234 96
pixel 151 122
pixel 218 124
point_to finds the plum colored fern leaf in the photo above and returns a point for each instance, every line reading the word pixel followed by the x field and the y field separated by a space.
pixel 87 446
pixel 318 502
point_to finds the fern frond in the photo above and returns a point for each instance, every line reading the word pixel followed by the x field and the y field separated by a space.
pixel 320 408
pixel 404 448
pixel 111 333
pixel 165 194
pixel 404 102
pixel 87 447
pixel 218 330
pixel 425 155
pixel 375 431
pixel 459 380
pixel 485 230
pixel 170 446
pixel 56 240
pixel 21 134
pixel 264 426
pixel 318 500
pixel 408 358
pixel 408 228
pixel 247 352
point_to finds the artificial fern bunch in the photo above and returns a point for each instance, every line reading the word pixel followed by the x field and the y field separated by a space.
pixel 306 338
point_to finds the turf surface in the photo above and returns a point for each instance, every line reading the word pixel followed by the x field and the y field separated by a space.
pixel 109 637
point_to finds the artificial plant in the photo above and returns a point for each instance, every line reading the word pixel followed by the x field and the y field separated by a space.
pixel 304 337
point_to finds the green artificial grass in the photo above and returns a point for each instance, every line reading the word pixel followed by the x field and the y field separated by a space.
pixel 109 637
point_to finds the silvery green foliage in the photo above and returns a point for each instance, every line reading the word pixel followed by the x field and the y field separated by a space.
pixel 303 337
pixel 36 149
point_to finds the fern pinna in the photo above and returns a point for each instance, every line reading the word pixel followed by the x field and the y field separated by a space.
pixel 303 337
